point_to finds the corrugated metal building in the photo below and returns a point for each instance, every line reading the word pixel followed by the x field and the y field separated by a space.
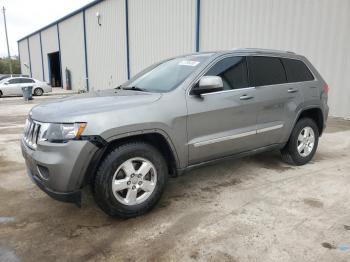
pixel 106 42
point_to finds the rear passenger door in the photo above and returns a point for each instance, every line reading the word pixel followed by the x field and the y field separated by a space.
pixel 277 100
pixel 298 74
pixel 27 82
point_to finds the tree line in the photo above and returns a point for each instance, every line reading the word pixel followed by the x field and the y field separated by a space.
pixel 5 66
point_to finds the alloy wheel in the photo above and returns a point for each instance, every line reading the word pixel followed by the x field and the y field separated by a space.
pixel 306 141
pixel 134 181
pixel 38 92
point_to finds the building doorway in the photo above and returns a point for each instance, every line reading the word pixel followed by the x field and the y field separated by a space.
pixel 55 69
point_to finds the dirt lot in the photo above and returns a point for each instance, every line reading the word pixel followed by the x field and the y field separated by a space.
pixel 252 209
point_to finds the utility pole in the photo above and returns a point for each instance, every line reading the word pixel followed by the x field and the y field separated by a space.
pixel 7 41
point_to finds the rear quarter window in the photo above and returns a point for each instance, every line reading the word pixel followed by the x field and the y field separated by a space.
pixel 296 70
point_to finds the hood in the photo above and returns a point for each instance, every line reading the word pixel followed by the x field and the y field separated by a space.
pixel 77 106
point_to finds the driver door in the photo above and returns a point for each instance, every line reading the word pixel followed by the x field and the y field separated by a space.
pixel 224 122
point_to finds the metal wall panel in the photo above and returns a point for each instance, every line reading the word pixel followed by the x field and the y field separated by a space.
pixel 35 57
pixel 24 56
pixel 49 40
pixel 159 29
pixel 72 51
pixel 318 29
pixel 106 44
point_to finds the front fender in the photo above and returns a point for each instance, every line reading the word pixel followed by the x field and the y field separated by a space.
pixel 148 131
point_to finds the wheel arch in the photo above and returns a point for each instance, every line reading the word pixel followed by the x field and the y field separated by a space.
pixel 315 113
pixel 157 138
pixel 37 87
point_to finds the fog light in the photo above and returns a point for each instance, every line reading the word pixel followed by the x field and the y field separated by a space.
pixel 43 172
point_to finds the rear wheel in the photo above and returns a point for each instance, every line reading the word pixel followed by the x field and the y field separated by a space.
pixel 302 143
pixel 38 91
pixel 130 180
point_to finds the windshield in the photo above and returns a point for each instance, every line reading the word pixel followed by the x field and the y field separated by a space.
pixel 4 80
pixel 167 75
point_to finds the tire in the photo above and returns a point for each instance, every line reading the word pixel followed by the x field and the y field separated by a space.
pixel 114 203
pixel 38 91
pixel 290 153
pixel 0 93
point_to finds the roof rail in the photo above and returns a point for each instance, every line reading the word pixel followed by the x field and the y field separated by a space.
pixel 261 50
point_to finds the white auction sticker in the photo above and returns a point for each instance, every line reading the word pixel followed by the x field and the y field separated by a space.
pixel 189 63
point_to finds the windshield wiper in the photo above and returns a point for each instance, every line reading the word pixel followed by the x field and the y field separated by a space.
pixel 134 88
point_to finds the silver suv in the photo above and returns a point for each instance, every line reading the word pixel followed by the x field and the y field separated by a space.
pixel 181 113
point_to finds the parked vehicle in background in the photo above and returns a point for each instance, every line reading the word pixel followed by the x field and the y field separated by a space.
pixel 13 86
pixel 3 77
pixel 173 116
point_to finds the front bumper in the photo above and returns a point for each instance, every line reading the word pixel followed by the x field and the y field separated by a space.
pixel 59 168
pixel 70 197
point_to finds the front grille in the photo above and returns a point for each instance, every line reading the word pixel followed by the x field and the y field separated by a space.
pixel 31 133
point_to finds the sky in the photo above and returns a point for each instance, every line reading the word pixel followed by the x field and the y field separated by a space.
pixel 26 16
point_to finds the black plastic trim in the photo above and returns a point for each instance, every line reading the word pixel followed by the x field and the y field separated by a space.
pixel 96 140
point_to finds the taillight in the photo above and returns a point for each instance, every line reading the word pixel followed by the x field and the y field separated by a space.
pixel 326 89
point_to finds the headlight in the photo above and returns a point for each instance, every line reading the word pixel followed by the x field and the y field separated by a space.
pixel 60 132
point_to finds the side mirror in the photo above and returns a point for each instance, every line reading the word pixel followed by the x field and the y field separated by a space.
pixel 6 83
pixel 208 84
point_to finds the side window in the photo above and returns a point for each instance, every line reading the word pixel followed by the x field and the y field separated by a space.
pixel 232 70
pixel 14 81
pixel 266 71
pixel 296 70
pixel 26 80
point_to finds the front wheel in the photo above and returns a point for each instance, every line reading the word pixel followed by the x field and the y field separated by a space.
pixel 130 180
pixel 302 143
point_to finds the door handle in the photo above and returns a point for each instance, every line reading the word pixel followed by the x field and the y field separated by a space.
pixel 245 97
pixel 292 90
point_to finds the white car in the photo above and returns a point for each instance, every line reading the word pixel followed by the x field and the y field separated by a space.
pixel 13 86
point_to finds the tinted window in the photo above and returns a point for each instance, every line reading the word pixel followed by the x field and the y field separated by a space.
pixel 266 71
pixel 296 70
pixel 26 80
pixel 233 71
pixel 14 81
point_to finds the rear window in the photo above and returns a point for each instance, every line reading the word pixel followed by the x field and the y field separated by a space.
pixel 296 70
pixel 266 71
